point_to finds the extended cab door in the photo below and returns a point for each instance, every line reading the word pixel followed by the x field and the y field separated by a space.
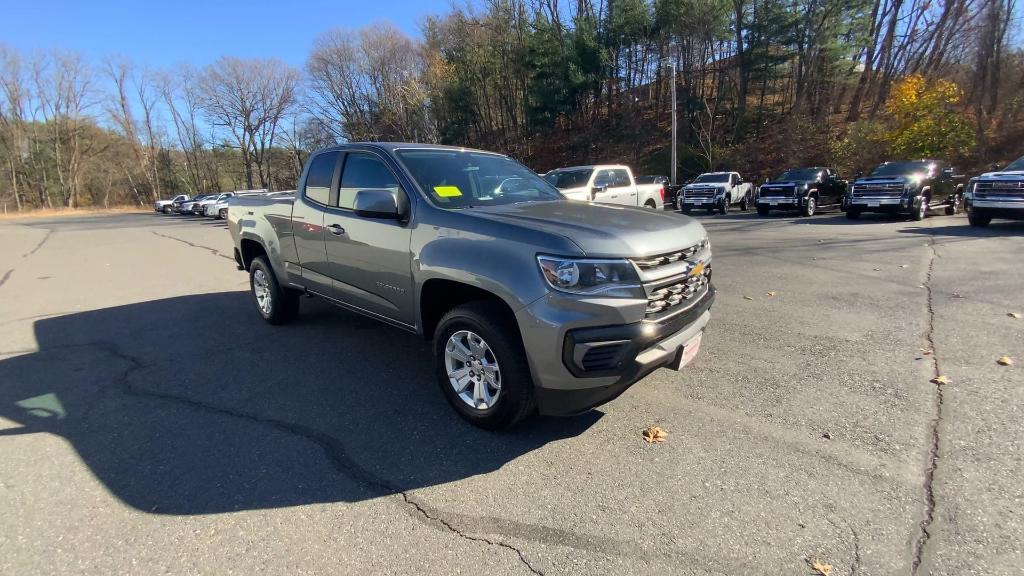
pixel 369 258
pixel 311 201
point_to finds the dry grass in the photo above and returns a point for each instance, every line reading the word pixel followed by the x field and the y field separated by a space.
pixel 58 212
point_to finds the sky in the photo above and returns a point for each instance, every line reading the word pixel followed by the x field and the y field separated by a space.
pixel 163 33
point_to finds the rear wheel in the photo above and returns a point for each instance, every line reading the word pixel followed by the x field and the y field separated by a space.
pixel 222 214
pixel 277 305
pixel 978 219
pixel 650 204
pixel 954 204
pixel 723 208
pixel 763 210
pixel 745 203
pixel 481 366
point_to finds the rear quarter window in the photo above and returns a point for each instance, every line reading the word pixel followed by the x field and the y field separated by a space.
pixel 320 177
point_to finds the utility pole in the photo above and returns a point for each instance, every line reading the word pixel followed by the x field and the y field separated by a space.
pixel 673 177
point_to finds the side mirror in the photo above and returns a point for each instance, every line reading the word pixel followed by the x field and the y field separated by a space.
pixel 598 189
pixel 383 204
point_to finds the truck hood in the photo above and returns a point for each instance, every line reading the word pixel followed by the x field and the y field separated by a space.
pixel 785 183
pixel 908 179
pixel 1012 175
pixel 601 229
pixel 692 186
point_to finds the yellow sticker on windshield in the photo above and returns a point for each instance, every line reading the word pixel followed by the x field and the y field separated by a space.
pixel 448 191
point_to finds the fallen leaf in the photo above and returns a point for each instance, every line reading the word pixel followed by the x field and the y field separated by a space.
pixel 655 435
pixel 903 265
pixel 922 286
pixel 1013 314
pixel 770 293
pixel 820 241
pixel 878 269
pixel 820 567
pixel 1005 361
pixel 940 380
pixel 957 295
pixel 747 298
pixel 925 352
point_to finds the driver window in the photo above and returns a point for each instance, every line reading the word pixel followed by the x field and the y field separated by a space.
pixel 603 178
pixel 364 172
pixel 620 178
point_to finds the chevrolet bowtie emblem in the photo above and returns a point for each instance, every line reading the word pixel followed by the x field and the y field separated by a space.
pixel 697 270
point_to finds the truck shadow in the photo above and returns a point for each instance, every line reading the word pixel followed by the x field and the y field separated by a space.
pixel 192 405
pixel 963 229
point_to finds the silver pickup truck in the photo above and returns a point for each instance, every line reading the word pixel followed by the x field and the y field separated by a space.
pixel 534 303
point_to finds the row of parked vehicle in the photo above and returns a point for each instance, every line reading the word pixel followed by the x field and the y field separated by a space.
pixel 912 188
pixel 210 205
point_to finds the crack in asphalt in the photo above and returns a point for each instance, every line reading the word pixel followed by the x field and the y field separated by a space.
pixel 49 232
pixel 933 447
pixel 213 251
pixel 6 276
pixel 332 448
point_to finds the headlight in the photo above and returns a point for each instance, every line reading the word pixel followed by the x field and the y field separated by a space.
pixel 582 276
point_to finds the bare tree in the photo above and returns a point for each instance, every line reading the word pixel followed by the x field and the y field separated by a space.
pixel 249 98
pixel 135 90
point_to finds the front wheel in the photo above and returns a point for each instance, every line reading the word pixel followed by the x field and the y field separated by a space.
pixel 481 365
pixel 745 203
pixel 810 205
pixel 978 219
pixel 222 214
pixel 723 208
pixel 921 211
pixel 167 209
pixel 275 304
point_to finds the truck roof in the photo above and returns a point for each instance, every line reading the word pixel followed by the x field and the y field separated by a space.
pixel 592 167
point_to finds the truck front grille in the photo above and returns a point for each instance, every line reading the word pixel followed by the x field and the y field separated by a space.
pixel 699 193
pixel 876 190
pixel 656 261
pixel 1002 189
pixel 677 296
pixel 777 191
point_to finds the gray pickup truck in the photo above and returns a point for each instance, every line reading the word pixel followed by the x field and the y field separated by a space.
pixel 534 303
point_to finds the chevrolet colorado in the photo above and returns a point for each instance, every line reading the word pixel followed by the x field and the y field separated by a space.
pixel 534 303
pixel 997 194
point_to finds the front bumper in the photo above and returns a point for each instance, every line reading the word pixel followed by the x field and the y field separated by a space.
pixel 882 204
pixel 1011 209
pixel 779 202
pixel 557 336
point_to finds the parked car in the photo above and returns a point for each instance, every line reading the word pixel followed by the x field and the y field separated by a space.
pixel 188 206
pixel 908 187
pixel 533 302
pixel 716 191
pixel 803 189
pixel 606 184
pixel 168 206
pixel 219 209
pixel 998 194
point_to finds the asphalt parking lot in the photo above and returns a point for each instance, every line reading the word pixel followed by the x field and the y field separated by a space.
pixel 150 422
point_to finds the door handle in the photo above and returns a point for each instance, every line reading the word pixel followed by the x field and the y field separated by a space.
pixel 336 229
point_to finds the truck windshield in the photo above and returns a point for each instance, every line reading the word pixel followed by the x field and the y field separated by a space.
pixel 800 174
pixel 563 179
pixel 901 168
pixel 1016 165
pixel 712 178
pixel 464 179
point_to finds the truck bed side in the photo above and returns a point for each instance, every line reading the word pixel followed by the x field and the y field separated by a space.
pixel 267 222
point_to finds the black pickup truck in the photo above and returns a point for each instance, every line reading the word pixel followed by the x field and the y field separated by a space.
pixel 803 189
pixel 909 187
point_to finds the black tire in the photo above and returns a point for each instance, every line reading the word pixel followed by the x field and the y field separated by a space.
pixel 650 204
pixel 284 302
pixel 978 219
pixel 763 210
pixel 745 203
pixel 493 323
pixel 167 209
pixel 852 214
pixel 921 210
pixel 723 208
pixel 222 214
pixel 809 206
pixel 955 202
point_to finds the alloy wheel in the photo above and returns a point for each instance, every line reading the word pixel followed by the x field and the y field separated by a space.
pixel 261 289
pixel 472 369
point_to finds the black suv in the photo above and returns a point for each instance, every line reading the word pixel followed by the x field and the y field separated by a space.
pixel 997 194
pixel 909 187
pixel 803 189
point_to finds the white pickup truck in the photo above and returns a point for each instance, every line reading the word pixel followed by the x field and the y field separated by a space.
pixel 716 191
pixel 606 184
